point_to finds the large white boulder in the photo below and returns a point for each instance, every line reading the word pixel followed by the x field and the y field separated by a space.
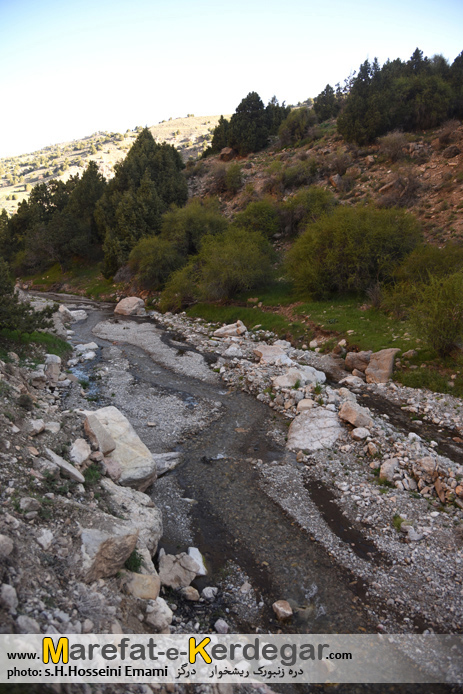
pixel 138 468
pixel 131 306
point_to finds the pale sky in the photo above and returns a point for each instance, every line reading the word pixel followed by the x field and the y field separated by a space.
pixel 72 68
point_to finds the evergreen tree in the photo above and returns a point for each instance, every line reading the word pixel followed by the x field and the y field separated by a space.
pixel 248 126
pixel 17 315
pixel 147 182
pixel 327 104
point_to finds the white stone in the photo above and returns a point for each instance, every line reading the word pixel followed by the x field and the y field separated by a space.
pixel 80 451
pixel 45 538
pixel 87 347
pixel 160 617
pixel 130 306
pixel 313 430
pixel 166 462
pixel 8 597
pixel 195 554
pixel 67 469
pixel 360 433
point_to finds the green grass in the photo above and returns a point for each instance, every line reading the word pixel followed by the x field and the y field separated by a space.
pixel 80 277
pixel 13 339
pixel 372 329
pixel 278 324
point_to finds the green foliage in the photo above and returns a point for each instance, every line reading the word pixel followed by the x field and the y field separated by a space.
pixel 296 126
pixel 306 206
pixel 145 184
pixel 327 104
pixel 438 312
pixel 15 314
pixel 226 264
pixel 302 173
pixel 261 216
pixel 92 475
pixel 413 95
pixel 249 127
pixel 351 249
pixel 154 258
pixel 134 562
pixel 233 178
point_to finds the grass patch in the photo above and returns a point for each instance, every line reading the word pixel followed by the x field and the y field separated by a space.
pixel 134 562
pixel 373 329
pixel 214 313
pixel 81 278
pixel 92 475
pixel 52 344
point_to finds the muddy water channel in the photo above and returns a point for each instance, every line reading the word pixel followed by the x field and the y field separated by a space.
pixel 230 518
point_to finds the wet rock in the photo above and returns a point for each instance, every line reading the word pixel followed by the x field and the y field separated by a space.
pixel 357 360
pixel 130 306
pixel 8 598
pixel 106 548
pixel 166 462
pixel 66 468
pixel 6 546
pixel 221 626
pixel 80 451
pixel 282 609
pixel 138 469
pixel 87 347
pixel 177 571
pixel 159 616
pixel 231 330
pixel 98 435
pixel 355 414
pixel 143 586
pixel 313 430
pixel 139 509
pixel 78 315
pixel 381 365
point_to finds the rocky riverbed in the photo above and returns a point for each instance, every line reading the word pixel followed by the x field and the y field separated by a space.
pixel 295 480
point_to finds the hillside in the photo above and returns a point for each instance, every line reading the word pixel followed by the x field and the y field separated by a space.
pixel 19 174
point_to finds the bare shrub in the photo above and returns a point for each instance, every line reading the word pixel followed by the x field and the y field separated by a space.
pixel 339 162
pixel 404 192
pixel 448 132
pixel 393 145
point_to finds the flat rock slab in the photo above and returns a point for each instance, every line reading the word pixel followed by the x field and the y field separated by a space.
pixel 138 469
pixel 381 365
pixel 273 354
pixel 131 306
pixel 355 414
pixel 66 468
pixel 177 571
pixel 98 434
pixel 313 430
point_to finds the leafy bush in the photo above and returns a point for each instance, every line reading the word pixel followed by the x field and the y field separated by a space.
pixel 300 174
pixel 233 178
pixel 261 216
pixel 351 249
pixel 235 261
pixel 308 205
pixel 18 315
pixel 153 259
pixel 296 126
pixel 438 313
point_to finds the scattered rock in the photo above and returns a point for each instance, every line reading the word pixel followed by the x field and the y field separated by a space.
pixel 189 593
pixel 8 598
pixel 355 414
pixel 221 626
pixel 98 434
pixel 160 615
pixel 196 555
pixel 231 330
pixel 6 546
pixel 360 433
pixel 80 451
pixel 282 609
pixel 107 547
pixel 388 468
pixel 67 469
pixel 143 586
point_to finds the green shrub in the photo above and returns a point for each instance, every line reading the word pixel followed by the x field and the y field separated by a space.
pixel 153 259
pixel 296 126
pixel 17 315
pixel 233 178
pixel 300 174
pixel 351 249
pixel 185 226
pixel 134 562
pixel 438 313
pixel 232 262
pixel 261 216
pixel 308 205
